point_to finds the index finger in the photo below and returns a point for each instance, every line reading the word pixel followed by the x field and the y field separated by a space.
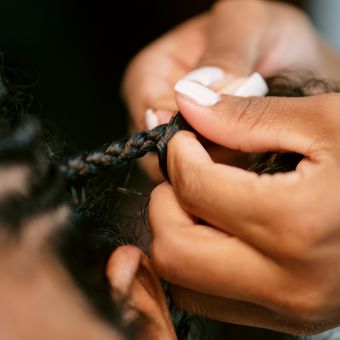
pixel 257 209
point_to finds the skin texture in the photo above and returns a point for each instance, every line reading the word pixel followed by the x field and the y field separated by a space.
pixel 269 246
pixel 38 296
pixel 32 282
pixel 134 281
pixel 261 37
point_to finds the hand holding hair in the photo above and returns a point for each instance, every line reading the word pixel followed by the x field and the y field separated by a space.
pixel 231 41
pixel 261 250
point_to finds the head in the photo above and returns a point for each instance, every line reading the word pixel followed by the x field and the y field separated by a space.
pixel 67 270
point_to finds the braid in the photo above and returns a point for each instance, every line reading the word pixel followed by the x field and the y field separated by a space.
pixel 120 152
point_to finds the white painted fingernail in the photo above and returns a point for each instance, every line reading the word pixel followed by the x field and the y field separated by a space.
pixel 254 86
pixel 198 93
pixel 151 120
pixel 206 75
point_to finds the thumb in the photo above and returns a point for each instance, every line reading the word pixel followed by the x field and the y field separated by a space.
pixel 236 30
pixel 252 124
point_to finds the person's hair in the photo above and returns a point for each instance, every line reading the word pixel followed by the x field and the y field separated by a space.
pixel 86 239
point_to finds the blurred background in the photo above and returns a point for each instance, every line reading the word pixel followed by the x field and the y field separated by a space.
pixel 74 53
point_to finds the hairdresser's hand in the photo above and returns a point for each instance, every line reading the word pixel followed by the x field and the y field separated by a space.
pixel 257 250
pixel 239 37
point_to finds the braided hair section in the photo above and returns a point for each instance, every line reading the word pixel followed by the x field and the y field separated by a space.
pixel 120 152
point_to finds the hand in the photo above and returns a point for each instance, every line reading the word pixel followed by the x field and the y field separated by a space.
pixel 268 252
pixel 138 294
pixel 239 37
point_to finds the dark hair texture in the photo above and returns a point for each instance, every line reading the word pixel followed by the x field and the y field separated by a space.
pixel 120 152
pixel 85 241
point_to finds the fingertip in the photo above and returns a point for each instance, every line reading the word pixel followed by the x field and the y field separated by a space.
pixel 159 191
pixel 164 116
pixel 123 254
pixel 185 145
pixel 121 269
pixel 191 111
pixel 201 95
pixel 185 156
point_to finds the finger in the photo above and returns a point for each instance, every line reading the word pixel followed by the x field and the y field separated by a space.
pixel 150 77
pixel 126 257
pixel 183 250
pixel 259 124
pixel 257 209
pixel 127 264
pixel 243 313
pixel 154 118
pixel 138 291
pixel 235 34
pixel 233 46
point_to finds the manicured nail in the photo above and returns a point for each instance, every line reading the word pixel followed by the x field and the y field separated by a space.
pixel 206 75
pixel 151 120
pixel 253 86
pixel 198 93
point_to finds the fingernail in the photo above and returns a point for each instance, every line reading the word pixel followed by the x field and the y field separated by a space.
pixel 254 86
pixel 198 93
pixel 206 75
pixel 151 120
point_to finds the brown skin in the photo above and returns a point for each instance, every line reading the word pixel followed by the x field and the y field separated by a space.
pixel 131 275
pixel 38 298
pixel 270 255
pixel 269 251
pixel 240 37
